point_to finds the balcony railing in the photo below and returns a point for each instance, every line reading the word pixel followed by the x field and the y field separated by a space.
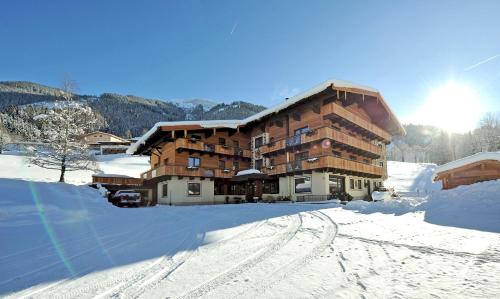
pixel 182 170
pixel 324 162
pixel 343 113
pixel 198 145
pixel 293 140
pixel 319 134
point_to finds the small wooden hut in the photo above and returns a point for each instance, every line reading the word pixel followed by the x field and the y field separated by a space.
pixel 469 170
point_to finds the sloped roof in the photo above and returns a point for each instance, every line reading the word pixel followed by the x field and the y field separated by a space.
pixel 332 83
pixel 104 133
pixel 468 160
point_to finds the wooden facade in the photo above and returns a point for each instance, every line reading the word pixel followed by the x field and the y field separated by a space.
pixel 471 173
pixel 335 131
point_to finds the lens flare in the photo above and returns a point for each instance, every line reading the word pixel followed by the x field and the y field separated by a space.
pixel 49 230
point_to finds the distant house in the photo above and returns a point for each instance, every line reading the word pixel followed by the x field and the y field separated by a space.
pixel 106 143
pixel 469 170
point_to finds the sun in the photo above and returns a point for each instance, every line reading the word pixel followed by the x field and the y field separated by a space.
pixel 454 107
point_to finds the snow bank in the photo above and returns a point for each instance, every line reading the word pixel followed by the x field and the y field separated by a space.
pixel 411 178
pixel 474 206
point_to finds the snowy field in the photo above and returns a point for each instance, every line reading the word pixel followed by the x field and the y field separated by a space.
pixel 65 241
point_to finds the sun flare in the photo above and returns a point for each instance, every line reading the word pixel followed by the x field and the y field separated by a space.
pixel 454 107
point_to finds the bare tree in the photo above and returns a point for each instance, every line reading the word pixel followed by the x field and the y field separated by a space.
pixel 61 131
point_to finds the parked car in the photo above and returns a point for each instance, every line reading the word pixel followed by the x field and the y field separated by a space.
pixel 126 198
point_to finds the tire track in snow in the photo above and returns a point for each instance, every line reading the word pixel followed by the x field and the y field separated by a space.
pixel 97 285
pixel 249 262
pixel 283 272
pixel 66 282
pixel 167 266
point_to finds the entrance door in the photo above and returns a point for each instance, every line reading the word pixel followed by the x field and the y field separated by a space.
pixel 250 190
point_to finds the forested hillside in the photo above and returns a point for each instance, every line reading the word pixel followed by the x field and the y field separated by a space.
pixel 124 115
pixel 431 144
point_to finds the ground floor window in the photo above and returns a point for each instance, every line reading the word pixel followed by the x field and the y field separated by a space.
pixel 351 184
pixel 359 184
pixel 336 184
pixel 164 190
pixel 271 187
pixel 194 189
pixel 302 184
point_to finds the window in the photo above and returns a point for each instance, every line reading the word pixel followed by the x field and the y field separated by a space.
pixel 271 187
pixel 236 165
pixel 219 189
pixel 381 164
pixel 165 161
pixel 336 184
pixel 272 162
pixel 337 154
pixel 351 183
pixel 366 161
pixel 302 184
pixel 258 142
pixel 359 184
pixel 195 137
pixel 164 190
pixel 258 164
pixel 367 183
pixel 236 143
pixel 193 162
pixel 222 164
pixel 194 189
pixel 301 130
pixel 222 141
pixel 301 156
pixel 352 158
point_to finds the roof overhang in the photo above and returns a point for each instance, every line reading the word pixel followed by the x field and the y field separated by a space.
pixel 391 124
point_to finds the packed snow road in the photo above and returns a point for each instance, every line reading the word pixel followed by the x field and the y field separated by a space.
pixel 255 251
pixel 65 241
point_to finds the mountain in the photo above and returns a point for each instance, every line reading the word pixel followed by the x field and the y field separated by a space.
pixel 125 115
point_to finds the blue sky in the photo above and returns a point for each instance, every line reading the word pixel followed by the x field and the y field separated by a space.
pixel 257 51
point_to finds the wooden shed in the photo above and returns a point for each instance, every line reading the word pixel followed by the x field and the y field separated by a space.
pixel 469 170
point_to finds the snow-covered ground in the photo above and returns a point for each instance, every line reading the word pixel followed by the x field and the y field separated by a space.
pixel 64 241
pixel 14 166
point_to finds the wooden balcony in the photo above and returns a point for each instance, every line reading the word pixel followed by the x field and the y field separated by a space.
pixel 183 170
pixel 201 146
pixel 325 162
pixel 355 120
pixel 320 134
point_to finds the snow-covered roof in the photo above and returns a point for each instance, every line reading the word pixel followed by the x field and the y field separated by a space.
pixel 202 123
pixel 248 171
pixel 303 95
pixel 110 175
pixel 275 109
pixel 469 160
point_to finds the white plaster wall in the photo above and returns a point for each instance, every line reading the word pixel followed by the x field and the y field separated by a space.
pixel 178 193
